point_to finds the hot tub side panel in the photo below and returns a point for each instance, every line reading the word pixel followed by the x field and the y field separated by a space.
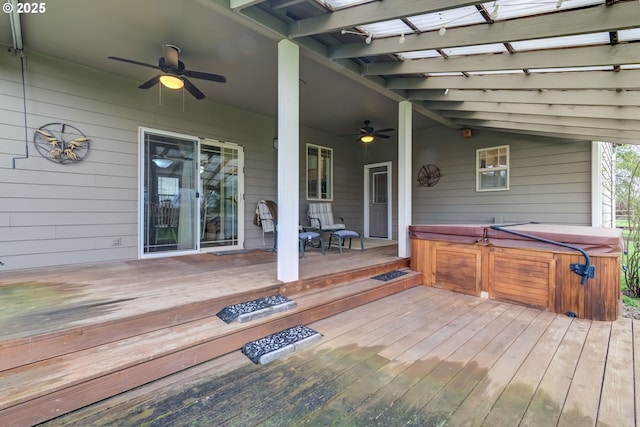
pixel 452 266
pixel 599 298
pixel 521 276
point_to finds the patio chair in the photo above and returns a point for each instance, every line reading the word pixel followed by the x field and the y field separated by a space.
pixel 321 218
pixel 267 218
pixel 166 223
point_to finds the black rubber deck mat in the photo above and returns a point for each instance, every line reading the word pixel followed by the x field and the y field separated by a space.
pixel 389 275
pixel 233 252
pixel 261 307
pixel 274 346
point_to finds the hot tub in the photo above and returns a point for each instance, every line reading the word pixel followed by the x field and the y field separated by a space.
pixel 506 263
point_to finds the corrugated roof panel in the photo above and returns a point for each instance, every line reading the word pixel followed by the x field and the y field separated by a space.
pixel 448 18
pixel 476 49
pixel 558 42
pixel 419 54
pixel 629 35
pixel 394 27
pixel 510 9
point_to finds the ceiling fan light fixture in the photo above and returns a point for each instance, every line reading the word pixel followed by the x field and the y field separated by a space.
pixel 366 139
pixel 171 82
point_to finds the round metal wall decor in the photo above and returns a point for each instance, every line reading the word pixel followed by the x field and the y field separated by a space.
pixel 429 175
pixel 61 143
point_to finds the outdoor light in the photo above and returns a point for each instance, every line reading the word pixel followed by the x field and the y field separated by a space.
pixel 171 82
pixel 443 30
pixel 366 138
pixel 494 12
pixel 161 162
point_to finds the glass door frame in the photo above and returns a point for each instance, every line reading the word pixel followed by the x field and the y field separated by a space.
pixel 240 211
pixel 142 165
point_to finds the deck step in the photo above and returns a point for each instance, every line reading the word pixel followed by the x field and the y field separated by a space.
pixel 275 346
pixel 43 390
pixel 255 309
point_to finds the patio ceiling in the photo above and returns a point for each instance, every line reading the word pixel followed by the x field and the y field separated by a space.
pixel 568 69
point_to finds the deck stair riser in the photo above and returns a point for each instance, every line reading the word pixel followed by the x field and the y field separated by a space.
pixel 320 282
pixel 44 390
pixel 24 351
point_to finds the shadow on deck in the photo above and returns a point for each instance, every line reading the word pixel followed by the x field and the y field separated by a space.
pixel 75 335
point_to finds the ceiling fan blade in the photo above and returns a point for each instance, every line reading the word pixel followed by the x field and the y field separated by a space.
pixel 193 90
pixel 130 61
pixel 205 76
pixel 379 135
pixel 170 55
pixel 386 130
pixel 150 83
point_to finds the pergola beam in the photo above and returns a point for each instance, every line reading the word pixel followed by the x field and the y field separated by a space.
pixel 610 124
pixel 568 138
pixel 560 97
pixel 590 134
pixel 367 13
pixel 628 79
pixel 557 58
pixel 581 111
pixel 583 21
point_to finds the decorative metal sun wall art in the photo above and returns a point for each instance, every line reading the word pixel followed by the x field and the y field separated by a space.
pixel 429 175
pixel 61 143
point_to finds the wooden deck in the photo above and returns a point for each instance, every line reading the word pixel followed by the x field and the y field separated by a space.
pixel 421 357
pixel 72 336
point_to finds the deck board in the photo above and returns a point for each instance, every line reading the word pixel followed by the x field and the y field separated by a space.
pixel 583 398
pixel 618 377
pixel 514 401
pixel 421 357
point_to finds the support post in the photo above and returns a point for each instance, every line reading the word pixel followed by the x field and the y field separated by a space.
pixel 288 160
pixel 404 177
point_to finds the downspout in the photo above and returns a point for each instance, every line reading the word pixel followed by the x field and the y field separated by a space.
pixel 585 270
pixel 16 33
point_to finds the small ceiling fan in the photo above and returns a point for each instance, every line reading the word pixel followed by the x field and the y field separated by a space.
pixel 174 75
pixel 368 133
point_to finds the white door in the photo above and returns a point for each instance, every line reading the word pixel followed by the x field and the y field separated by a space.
pixel 378 200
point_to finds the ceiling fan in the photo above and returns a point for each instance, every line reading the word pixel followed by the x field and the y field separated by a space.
pixel 174 75
pixel 368 133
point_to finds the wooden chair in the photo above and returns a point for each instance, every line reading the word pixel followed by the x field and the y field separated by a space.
pixel 166 223
pixel 267 218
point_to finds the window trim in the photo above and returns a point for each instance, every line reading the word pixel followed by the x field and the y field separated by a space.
pixel 331 168
pixel 479 170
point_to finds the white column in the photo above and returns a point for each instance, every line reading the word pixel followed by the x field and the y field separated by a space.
pixel 404 177
pixel 288 160
pixel 596 184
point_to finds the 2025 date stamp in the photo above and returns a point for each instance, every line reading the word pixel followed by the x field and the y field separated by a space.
pixel 22 8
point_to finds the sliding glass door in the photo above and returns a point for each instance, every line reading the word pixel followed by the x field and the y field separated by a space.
pixel 191 194
pixel 221 189
pixel 168 192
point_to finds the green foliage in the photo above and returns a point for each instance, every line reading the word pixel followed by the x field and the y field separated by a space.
pixel 630 182
pixel 632 302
